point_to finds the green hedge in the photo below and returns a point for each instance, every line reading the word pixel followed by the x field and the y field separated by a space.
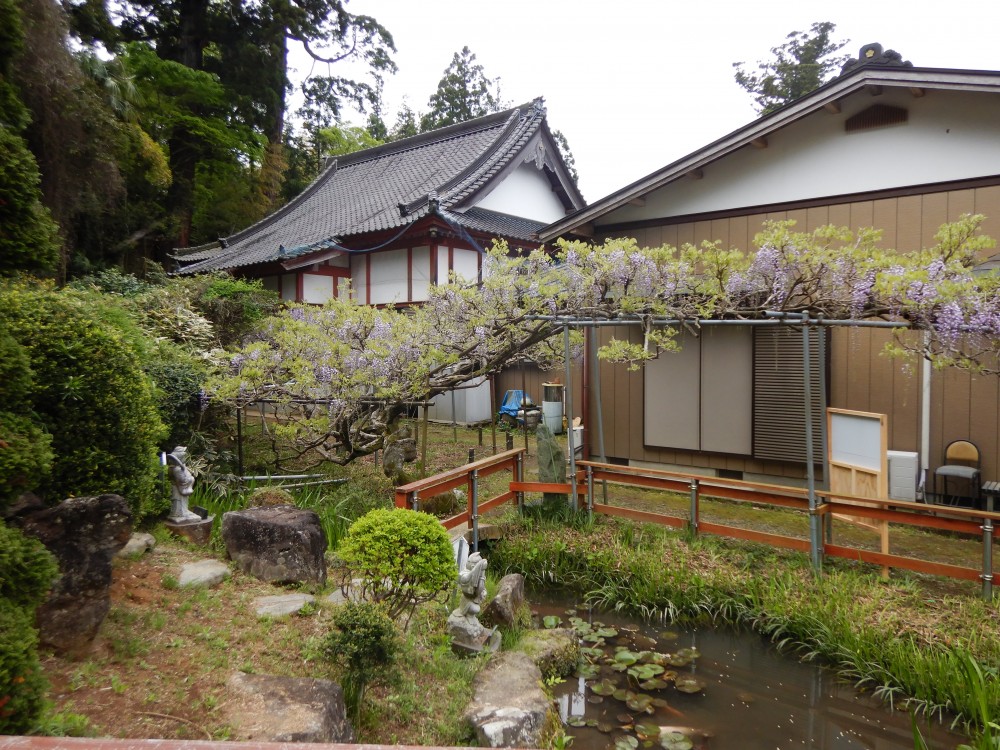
pixel 26 572
pixel 90 394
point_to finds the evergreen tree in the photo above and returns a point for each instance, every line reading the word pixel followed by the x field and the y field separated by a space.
pixel 463 93
pixel 800 65
pixel 29 239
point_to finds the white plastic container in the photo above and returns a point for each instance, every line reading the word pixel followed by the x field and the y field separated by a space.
pixel 552 407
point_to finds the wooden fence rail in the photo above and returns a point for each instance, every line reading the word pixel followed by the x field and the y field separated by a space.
pixel 958 520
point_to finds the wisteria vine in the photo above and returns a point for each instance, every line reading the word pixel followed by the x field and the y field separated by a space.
pixel 344 373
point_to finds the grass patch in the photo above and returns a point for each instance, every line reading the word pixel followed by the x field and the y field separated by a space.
pixel 907 647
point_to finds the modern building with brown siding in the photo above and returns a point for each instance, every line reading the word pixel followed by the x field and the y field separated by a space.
pixel 886 145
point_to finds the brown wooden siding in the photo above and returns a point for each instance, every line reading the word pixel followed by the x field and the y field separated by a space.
pixel 962 405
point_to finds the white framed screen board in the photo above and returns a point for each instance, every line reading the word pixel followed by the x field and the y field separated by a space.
pixel 858 456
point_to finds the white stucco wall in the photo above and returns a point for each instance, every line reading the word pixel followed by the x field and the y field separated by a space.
pixel 525 192
pixel 948 136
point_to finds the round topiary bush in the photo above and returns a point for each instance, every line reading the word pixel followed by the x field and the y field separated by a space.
pixel 403 557
pixel 90 394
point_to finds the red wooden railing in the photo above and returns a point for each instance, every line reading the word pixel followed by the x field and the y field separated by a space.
pixel 944 518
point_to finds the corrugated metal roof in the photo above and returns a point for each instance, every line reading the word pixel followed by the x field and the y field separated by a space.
pixel 362 192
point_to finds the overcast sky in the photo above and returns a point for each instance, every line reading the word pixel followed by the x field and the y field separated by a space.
pixel 637 84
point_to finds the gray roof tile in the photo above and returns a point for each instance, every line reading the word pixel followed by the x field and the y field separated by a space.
pixel 362 192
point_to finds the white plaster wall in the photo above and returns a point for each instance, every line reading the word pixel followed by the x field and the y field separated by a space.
pixel 442 265
pixel 465 263
pixel 388 281
pixel 525 192
pixel 421 264
pixel 359 278
pixel 288 286
pixel 948 136
pixel 316 288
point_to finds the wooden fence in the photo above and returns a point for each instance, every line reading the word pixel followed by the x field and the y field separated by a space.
pixel 976 523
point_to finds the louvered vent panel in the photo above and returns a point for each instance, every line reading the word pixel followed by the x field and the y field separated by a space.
pixel 779 428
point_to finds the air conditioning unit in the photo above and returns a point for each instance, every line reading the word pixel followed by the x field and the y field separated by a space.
pixel 904 467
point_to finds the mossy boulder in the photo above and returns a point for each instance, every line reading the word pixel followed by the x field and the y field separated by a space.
pixel 556 651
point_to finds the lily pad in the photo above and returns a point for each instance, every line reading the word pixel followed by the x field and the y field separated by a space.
pixel 591 653
pixel 678 660
pixel 647 731
pixel 592 723
pixel 688 684
pixel 675 741
pixel 604 687
pixel 606 632
pixel 629 628
pixel 595 699
pixel 626 742
pixel 626 657
pixel 605 728
pixel 576 721
pixel 552 621
pixel 619 667
pixel 640 702
pixel 654 684
pixel 587 671
pixel 689 652
pixel 645 671
pixel 624 719
pixel 621 694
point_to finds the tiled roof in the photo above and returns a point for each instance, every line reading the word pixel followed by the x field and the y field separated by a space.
pixel 385 188
pixel 495 223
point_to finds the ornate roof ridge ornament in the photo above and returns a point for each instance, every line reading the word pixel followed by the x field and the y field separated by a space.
pixel 874 54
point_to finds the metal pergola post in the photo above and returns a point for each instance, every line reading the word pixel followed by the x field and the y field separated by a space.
pixel 815 525
pixel 569 419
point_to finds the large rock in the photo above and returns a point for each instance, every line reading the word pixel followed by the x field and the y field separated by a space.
pixel 506 608
pixel 556 651
pixel 84 534
pixel 261 708
pixel 281 544
pixel 508 707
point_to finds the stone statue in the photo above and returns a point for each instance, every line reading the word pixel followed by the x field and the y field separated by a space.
pixel 182 486
pixel 472 584
pixel 468 634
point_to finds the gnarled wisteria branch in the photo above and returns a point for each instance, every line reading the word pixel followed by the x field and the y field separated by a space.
pixel 345 373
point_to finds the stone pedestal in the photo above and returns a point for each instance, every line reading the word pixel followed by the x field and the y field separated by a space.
pixel 198 531
pixel 469 637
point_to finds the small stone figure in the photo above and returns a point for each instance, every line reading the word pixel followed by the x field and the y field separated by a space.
pixel 182 486
pixel 472 583
pixel 468 634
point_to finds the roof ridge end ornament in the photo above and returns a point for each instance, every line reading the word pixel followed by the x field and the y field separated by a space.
pixel 873 54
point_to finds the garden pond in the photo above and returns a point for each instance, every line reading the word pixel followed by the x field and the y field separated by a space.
pixel 670 688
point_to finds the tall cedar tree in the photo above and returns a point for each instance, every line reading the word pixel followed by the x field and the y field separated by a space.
pixel 463 93
pixel 800 65
pixel 246 46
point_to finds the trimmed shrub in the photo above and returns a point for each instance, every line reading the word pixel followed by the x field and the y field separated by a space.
pixel 91 395
pixel 236 307
pixel 26 572
pixel 364 644
pixel 25 452
pixel 403 556
pixel 27 569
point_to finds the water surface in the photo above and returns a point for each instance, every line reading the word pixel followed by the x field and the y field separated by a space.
pixel 754 697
